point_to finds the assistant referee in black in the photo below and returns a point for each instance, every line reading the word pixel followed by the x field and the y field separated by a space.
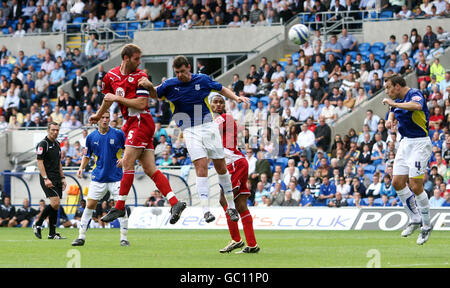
pixel 52 179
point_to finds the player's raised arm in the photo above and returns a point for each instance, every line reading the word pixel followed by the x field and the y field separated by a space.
pixel 103 108
pixel 410 106
pixel 230 95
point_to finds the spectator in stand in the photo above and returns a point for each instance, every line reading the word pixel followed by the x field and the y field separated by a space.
pixel 78 83
pixel 437 70
pixel 436 200
pixel 429 38
pixel 348 42
pixel 260 192
pixel 333 47
pixel 79 59
pixel 404 13
pixel 307 199
pixel 7 211
pixel 436 51
pixel 447 199
pixel 59 25
pixel 405 46
pixel 327 191
pixel 23 216
pixel 77 9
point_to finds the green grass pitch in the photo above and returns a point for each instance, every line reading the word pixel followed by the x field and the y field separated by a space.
pixel 200 249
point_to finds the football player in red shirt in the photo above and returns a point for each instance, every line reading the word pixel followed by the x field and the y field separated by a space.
pixel 237 166
pixel 120 85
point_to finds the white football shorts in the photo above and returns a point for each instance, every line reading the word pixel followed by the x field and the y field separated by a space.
pixel 412 157
pixel 204 141
pixel 98 190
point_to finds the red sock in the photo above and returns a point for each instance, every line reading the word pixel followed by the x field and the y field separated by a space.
pixel 164 187
pixel 232 227
pixel 125 186
pixel 247 222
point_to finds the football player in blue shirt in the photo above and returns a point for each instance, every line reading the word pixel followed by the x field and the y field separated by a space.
pixel 106 145
pixel 188 94
pixel 409 107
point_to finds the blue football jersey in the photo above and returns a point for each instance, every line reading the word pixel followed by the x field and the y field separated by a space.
pixel 189 101
pixel 412 124
pixel 106 149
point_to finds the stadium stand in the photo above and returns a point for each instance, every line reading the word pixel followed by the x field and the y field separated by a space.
pixel 307 91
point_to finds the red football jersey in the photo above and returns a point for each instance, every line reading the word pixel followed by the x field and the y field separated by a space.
pixel 125 86
pixel 228 130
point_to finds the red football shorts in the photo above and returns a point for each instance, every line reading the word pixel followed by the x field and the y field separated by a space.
pixel 239 175
pixel 139 132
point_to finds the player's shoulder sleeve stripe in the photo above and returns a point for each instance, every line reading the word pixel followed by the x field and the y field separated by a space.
pixel 112 73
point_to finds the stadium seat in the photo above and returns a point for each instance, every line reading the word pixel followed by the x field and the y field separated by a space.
pixel 76 23
pixel 364 46
pixel 379 45
pixel 295 56
pixel 68 64
pixel 9 67
pixel 254 100
pixel 367 87
pixel 158 25
pixel 265 100
pixel 283 161
pixel 352 54
pixel 378 202
pixel 381 168
pixel 386 14
pixel 6 73
pixel 369 169
pixel 5 31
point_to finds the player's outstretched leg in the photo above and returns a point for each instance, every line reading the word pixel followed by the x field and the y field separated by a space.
pixel 162 183
pixel 409 203
pixel 225 184
pixel 37 226
pixel 84 223
pixel 129 159
pixel 119 209
pixel 236 241
pixel 124 230
pixel 424 209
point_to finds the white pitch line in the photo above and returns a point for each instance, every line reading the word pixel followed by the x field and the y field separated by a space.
pixel 17 240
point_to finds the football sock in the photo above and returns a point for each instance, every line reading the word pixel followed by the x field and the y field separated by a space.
pixel 232 227
pixel 163 185
pixel 424 209
pixel 44 215
pixel 85 218
pixel 225 184
pixel 125 186
pixel 247 223
pixel 123 226
pixel 203 192
pixel 52 219
pixel 409 203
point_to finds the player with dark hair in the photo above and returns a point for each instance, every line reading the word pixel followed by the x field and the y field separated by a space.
pixel 120 85
pixel 237 166
pixel 106 145
pixel 188 94
pixel 52 179
pixel 409 107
